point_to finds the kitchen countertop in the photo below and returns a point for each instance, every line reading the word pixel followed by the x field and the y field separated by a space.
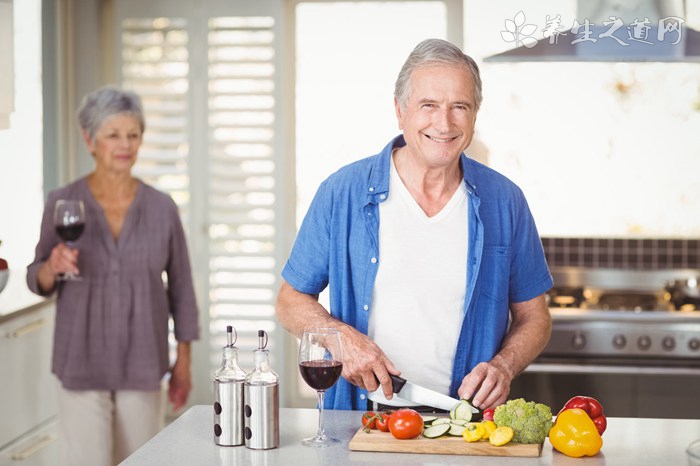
pixel 189 440
pixel 16 299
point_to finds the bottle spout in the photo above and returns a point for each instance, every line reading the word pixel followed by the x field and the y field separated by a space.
pixel 262 339
pixel 231 336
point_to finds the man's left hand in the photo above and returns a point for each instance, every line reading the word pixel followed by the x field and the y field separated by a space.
pixel 487 385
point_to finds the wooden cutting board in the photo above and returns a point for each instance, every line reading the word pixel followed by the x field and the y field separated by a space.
pixel 384 441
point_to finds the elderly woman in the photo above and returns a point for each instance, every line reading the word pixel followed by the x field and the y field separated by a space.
pixel 111 338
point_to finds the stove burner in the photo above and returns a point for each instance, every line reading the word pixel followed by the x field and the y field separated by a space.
pixel 567 297
pixel 626 302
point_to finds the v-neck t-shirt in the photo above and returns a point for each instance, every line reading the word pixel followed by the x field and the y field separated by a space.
pixel 111 329
pixel 421 284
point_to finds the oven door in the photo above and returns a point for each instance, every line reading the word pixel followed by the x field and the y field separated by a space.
pixel 653 388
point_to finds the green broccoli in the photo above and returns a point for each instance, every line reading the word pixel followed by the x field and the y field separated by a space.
pixel 530 421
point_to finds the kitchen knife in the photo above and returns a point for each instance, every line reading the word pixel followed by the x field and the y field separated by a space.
pixel 424 396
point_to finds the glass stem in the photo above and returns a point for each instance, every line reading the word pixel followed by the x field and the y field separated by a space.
pixel 320 434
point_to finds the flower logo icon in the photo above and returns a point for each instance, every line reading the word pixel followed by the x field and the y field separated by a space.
pixel 519 32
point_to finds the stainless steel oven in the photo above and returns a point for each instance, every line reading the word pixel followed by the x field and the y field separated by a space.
pixel 621 337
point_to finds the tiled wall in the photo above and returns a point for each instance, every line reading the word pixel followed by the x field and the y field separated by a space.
pixel 620 253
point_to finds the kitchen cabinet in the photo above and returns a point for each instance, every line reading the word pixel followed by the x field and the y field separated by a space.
pixel 28 403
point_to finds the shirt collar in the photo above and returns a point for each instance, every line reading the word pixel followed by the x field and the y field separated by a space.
pixel 378 182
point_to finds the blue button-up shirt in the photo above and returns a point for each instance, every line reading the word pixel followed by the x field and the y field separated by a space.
pixel 338 245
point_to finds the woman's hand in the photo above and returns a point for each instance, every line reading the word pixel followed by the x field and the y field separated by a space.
pixel 180 377
pixel 61 260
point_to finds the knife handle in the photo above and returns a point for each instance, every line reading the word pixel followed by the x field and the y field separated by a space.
pixel 397 382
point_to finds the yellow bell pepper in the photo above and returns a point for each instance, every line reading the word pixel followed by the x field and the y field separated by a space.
pixel 575 434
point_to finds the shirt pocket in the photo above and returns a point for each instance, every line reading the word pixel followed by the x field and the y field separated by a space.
pixel 495 273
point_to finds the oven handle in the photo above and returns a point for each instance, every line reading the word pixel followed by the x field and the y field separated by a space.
pixel 543 368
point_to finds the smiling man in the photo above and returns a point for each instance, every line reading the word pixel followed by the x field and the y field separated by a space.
pixel 435 268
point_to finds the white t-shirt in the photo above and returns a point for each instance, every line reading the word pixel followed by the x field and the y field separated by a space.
pixel 418 298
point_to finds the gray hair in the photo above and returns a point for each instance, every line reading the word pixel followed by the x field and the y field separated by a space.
pixel 432 51
pixel 107 102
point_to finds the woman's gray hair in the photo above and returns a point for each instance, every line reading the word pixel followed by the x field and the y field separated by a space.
pixel 107 102
pixel 429 52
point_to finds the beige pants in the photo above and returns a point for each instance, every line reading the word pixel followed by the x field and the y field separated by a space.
pixel 102 428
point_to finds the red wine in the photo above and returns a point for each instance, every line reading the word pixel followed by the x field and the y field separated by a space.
pixel 320 374
pixel 70 232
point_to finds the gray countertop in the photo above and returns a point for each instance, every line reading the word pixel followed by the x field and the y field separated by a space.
pixel 16 298
pixel 189 440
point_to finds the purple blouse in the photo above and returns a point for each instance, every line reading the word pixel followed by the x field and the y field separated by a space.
pixel 112 327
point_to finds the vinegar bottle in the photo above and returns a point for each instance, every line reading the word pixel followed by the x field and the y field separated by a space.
pixel 228 396
pixel 261 392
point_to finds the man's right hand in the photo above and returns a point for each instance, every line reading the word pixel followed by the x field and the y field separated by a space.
pixel 364 363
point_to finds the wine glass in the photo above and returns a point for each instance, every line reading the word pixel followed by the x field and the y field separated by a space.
pixel 69 220
pixel 320 364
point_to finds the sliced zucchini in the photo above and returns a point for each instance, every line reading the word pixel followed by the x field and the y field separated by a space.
pixel 462 411
pixel 456 430
pixel 436 431
pixel 459 422
pixel 428 419
pixel 441 420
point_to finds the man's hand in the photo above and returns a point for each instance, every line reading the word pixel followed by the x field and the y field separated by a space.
pixel 364 363
pixel 488 383
pixel 363 360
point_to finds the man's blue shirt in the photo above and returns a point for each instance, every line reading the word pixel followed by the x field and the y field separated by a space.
pixel 338 244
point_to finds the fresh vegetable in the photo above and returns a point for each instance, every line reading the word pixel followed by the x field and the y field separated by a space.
pixel 530 421
pixel 501 436
pixel 442 420
pixel 369 420
pixel 463 410
pixel 455 430
pixel 488 414
pixel 437 430
pixel 383 421
pixel 575 434
pixel 428 419
pixel 489 426
pixel 473 432
pixel 592 407
pixel 405 423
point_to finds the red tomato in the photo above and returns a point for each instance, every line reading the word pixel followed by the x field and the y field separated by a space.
pixel 405 423
pixel 369 420
pixel 488 414
pixel 592 407
pixel 383 421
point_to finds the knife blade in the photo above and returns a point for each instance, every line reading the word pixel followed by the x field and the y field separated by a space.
pixel 421 395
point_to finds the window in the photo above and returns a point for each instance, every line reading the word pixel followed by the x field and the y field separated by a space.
pixel 21 141
pixel 219 107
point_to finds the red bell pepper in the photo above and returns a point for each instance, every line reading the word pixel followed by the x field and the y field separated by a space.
pixel 592 407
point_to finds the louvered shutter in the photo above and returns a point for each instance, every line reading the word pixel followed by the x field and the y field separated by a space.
pixel 207 72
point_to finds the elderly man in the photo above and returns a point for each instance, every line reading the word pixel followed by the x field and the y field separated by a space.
pixel 435 267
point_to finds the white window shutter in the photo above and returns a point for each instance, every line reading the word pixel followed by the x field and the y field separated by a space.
pixel 208 74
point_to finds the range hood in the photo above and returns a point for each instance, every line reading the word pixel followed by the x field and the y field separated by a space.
pixel 647 47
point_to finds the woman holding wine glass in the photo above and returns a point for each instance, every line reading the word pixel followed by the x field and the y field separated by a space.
pixel 110 349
